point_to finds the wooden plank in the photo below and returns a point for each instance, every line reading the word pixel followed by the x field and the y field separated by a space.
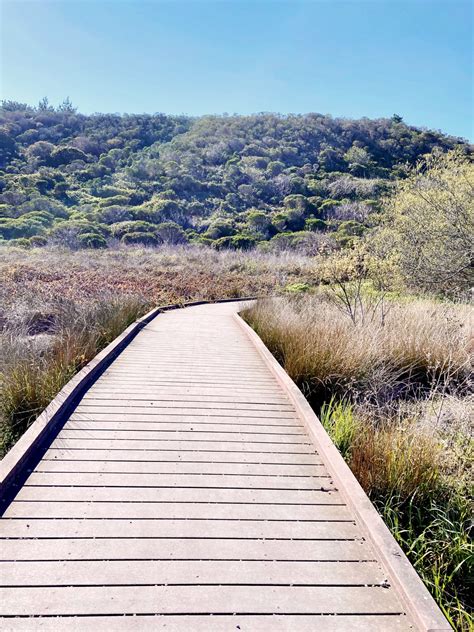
pixel 195 436
pixel 156 382
pixel 175 494
pixel 182 468
pixel 177 426
pixel 260 447
pixel 196 599
pixel 203 417
pixel 205 623
pixel 173 528
pixel 189 572
pixel 212 401
pixel 213 375
pixel 244 512
pixel 186 549
pixel 161 456
pixel 221 410
pixel 177 403
pixel 107 385
pixel 125 479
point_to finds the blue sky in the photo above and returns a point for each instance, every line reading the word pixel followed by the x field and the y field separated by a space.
pixel 347 58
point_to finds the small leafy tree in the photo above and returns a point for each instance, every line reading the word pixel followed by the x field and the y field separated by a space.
pixel 429 223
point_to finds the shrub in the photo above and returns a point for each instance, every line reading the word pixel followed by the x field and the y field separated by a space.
pixel 37 241
pixel 297 288
pixel 92 240
pixel 242 242
pixel 171 233
pixel 120 229
pixel 315 224
pixel 146 239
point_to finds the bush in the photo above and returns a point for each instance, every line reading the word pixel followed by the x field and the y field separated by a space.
pixel 314 224
pixel 145 239
pixel 242 242
pixel 120 229
pixel 92 240
pixel 37 241
pixel 429 223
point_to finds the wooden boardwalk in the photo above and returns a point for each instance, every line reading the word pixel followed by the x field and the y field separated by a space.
pixel 185 492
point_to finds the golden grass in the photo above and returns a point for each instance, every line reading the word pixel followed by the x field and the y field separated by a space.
pixel 418 344
pixel 32 374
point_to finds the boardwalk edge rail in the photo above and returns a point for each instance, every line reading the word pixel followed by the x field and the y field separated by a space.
pixel 30 448
pixel 414 594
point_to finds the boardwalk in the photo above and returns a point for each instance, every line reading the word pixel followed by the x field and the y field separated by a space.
pixel 184 485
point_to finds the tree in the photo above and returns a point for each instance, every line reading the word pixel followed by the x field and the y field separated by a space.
pixel 429 223
pixel 260 223
pixel 66 106
pixel 45 106
pixel 7 148
pixel 359 160
pixel 220 228
pixel 171 233
pixel 66 155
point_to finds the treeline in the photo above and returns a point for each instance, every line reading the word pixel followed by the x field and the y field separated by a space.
pixel 306 181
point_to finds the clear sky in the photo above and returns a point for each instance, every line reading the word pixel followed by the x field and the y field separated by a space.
pixel 347 58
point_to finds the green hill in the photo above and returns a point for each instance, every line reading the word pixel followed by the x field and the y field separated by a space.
pixel 231 181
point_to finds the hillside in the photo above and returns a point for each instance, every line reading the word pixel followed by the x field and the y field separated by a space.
pixel 230 181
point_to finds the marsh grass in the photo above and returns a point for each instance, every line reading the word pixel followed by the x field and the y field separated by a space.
pixel 34 371
pixel 393 392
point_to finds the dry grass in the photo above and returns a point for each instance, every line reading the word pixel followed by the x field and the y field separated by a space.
pixel 392 387
pixel 58 308
pixel 166 275
pixel 35 368
pixel 419 345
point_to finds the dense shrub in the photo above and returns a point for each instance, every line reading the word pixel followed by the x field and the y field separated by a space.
pixel 146 239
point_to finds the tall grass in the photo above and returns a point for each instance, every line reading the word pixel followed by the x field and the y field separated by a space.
pixel 34 369
pixel 393 392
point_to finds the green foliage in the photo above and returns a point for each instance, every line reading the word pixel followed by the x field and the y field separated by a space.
pixel 143 238
pixel 221 176
pixel 348 230
pixel 171 233
pixel 315 224
pixel 220 229
pixel 121 229
pixel 91 240
pixel 242 242
pixel 338 419
pixel 428 227
pixel 297 288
